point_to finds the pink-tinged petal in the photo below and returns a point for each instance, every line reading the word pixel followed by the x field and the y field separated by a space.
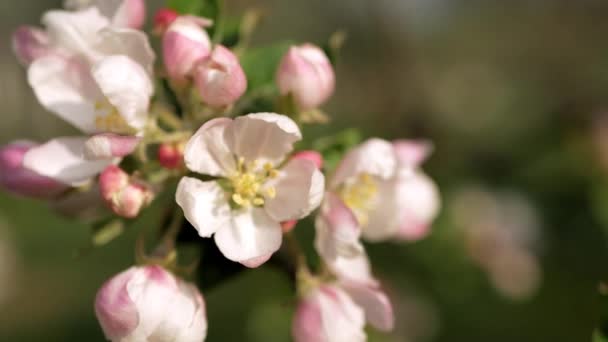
pixel 419 202
pixel 220 79
pixel 115 310
pixel 374 157
pixel 256 262
pixel 207 152
pixel 127 87
pixel 205 205
pixel 299 191
pixel 313 156
pixel 65 87
pixel 75 32
pixel 185 43
pixel 412 153
pixel 307 322
pixel 131 14
pixel 250 234
pixel 337 231
pixel 19 180
pixel 108 145
pixel 307 74
pixel 356 268
pixel 343 319
pixel 376 304
pixel 29 44
pixel 63 159
pixel 262 136
pixel 126 42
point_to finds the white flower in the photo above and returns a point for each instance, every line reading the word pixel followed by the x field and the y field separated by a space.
pixel 382 184
pixel 98 78
pixel 254 190
pixel 149 304
pixel 121 13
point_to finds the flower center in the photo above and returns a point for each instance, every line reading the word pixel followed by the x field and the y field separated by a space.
pixel 359 196
pixel 108 119
pixel 248 184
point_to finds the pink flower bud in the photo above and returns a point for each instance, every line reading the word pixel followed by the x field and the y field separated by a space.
pixel 312 156
pixel 184 44
pixel 150 304
pixel 17 179
pixel 220 79
pixel 29 44
pixel 288 226
pixel 328 314
pixel 171 156
pixel 163 18
pixel 109 145
pixel 125 196
pixel 307 74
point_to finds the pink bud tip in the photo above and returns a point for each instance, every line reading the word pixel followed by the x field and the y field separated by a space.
pixel 163 18
pixel 220 79
pixel 171 156
pixel 312 156
pixel 288 226
pixel 185 43
pixel 29 44
pixel 19 180
pixel 126 197
pixel 307 74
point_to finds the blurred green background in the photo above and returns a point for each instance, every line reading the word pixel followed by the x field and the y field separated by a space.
pixel 512 93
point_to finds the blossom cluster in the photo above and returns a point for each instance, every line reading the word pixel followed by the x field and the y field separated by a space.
pixel 239 176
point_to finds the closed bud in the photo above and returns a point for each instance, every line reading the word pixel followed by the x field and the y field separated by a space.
pixel 185 43
pixel 109 145
pixel 171 155
pixel 307 75
pixel 163 18
pixel 29 44
pixel 15 178
pixel 220 79
pixel 150 304
pixel 124 195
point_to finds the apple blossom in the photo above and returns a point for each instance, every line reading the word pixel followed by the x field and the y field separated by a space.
pixel 219 78
pixel 121 13
pixel 124 195
pixel 307 74
pixel 254 192
pixel 148 303
pixel 185 43
pixel 17 179
pixel 99 80
pixel 387 192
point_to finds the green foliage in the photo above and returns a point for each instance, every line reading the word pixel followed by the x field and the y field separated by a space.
pixel 106 231
pixel 260 64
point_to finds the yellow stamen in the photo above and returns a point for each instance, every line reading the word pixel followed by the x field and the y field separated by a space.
pixel 359 196
pixel 247 185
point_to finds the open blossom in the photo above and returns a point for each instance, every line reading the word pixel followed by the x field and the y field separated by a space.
pixel 307 74
pixel 17 179
pixel 253 191
pixel 185 43
pixel 150 304
pixel 98 78
pixel 382 184
pixel 121 13
pixel 219 78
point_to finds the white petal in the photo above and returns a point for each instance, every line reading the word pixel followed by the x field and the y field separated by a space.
pixel 356 269
pixel 63 160
pixel 337 231
pixel 387 213
pixel 207 153
pixel 251 234
pixel 263 136
pixel 299 191
pixel 127 42
pixel 204 205
pixel 65 87
pixel 375 157
pixel 126 86
pixel 75 32
pixel 343 320
pixel 375 303
pixel 196 331
pixel 412 153
pixel 419 202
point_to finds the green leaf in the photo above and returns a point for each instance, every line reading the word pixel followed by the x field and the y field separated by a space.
pixel 106 231
pixel 260 64
pixel 599 337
